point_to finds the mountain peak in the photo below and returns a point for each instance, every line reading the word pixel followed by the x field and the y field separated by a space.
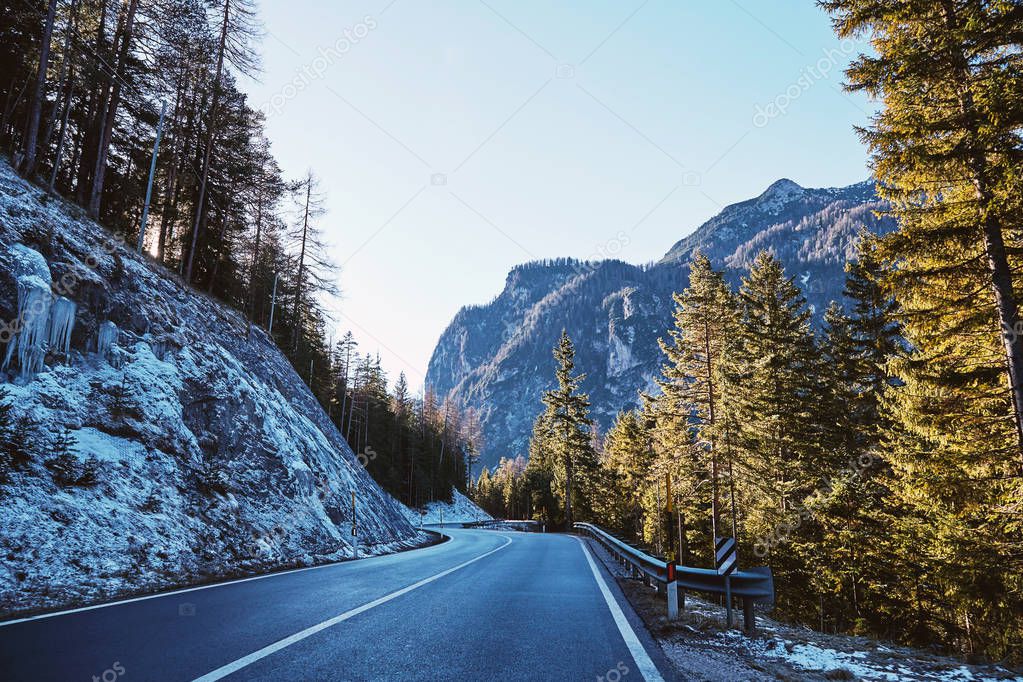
pixel 783 187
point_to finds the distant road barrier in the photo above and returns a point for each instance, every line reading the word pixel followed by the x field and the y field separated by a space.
pixel 528 526
pixel 753 585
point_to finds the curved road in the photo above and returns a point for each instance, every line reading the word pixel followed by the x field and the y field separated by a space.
pixel 485 605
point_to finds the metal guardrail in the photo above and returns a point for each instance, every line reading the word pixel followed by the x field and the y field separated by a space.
pixel 753 585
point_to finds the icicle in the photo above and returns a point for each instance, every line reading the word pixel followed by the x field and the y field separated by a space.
pixel 62 321
pixel 105 338
pixel 32 339
pixel 32 275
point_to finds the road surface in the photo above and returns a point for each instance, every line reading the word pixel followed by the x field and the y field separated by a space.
pixel 485 605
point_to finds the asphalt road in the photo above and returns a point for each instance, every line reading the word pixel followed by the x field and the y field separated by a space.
pixel 485 605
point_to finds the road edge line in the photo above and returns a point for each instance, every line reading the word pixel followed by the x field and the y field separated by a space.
pixel 209 586
pixel 642 659
pixel 234 666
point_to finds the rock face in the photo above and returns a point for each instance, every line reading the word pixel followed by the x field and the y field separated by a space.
pixel 191 449
pixel 497 357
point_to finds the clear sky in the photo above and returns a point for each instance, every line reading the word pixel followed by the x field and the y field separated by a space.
pixel 457 138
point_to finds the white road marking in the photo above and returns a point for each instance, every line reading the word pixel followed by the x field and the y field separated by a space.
pixel 235 666
pixel 197 588
pixel 646 666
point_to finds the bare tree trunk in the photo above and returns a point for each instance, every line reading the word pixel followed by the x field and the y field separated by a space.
pixel 170 199
pixel 715 505
pixel 344 392
pixel 211 129
pixel 76 153
pixel 8 120
pixel 28 166
pixel 1008 309
pixel 107 131
pixel 61 138
pixel 98 98
pixel 301 262
pixel 218 255
pixel 255 253
pixel 568 488
pixel 183 133
pixel 63 83
pixel 8 105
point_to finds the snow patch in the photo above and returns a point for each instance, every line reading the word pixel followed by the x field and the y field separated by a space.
pixel 619 356
pixel 460 510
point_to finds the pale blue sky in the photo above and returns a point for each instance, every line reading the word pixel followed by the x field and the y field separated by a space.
pixel 555 128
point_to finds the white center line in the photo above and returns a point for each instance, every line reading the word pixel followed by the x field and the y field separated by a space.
pixel 646 666
pixel 235 666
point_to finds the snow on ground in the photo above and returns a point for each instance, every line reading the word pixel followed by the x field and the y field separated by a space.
pixel 196 451
pixel 460 510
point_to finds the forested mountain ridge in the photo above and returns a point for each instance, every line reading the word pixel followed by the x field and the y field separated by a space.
pixel 495 358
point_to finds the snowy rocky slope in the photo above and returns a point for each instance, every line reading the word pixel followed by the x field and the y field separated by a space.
pixel 459 510
pixel 497 357
pixel 168 442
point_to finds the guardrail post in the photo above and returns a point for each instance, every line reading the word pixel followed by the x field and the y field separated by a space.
pixel 749 621
pixel 672 590
pixel 728 600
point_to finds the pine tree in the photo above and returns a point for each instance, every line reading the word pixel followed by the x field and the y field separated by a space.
pixel 624 469
pixel 567 437
pixel 24 441
pixel 483 493
pixel 841 364
pixel 315 271
pixel 237 36
pixel 540 471
pixel 946 152
pixel 691 404
pixel 772 376
pixel 876 335
pixel 571 427
pixel 850 511
pixel 64 464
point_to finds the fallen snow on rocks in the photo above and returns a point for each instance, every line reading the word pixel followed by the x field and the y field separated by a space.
pixel 460 510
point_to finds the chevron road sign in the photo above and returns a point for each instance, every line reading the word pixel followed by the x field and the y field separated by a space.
pixel 726 558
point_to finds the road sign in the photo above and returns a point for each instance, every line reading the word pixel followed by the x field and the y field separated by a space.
pixel 726 557
pixel 353 513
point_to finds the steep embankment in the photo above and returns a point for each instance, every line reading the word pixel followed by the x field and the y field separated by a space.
pixel 196 451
